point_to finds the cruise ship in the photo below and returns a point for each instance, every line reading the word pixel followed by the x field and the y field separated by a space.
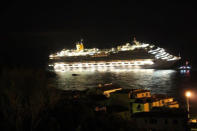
pixel 130 55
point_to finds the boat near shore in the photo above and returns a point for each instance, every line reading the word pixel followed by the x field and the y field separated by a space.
pixel 185 67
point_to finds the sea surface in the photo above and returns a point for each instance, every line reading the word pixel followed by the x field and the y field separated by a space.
pixel 158 81
pixel 171 82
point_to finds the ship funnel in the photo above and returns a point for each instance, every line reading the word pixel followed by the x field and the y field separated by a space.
pixel 134 39
pixel 136 42
pixel 79 45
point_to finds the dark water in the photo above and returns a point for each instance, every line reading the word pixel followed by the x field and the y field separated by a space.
pixel 158 81
pixel 171 82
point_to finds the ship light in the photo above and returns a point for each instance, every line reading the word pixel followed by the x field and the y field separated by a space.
pixel 164 58
pixel 148 62
pixel 157 57
pixel 151 46
pixel 51 56
pixel 80 65
pixel 174 58
pixel 154 53
pixel 188 67
pixel 157 49
pixel 163 53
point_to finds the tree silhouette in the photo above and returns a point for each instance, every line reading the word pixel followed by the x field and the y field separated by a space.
pixel 25 96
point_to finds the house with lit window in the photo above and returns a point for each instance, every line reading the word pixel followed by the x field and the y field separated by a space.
pixel 140 105
pixel 139 93
pixel 143 101
pixel 161 100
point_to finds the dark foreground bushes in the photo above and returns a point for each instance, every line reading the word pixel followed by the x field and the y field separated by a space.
pixel 28 101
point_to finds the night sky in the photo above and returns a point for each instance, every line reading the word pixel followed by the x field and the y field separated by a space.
pixel 30 30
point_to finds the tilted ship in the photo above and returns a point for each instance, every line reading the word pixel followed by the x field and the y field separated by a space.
pixel 135 55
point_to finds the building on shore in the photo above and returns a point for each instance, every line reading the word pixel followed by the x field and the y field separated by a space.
pixel 128 102
pixel 107 89
pixel 142 101
pixel 139 93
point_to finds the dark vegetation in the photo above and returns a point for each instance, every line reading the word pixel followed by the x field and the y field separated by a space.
pixel 28 101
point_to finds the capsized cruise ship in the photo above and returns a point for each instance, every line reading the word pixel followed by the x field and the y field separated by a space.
pixel 130 55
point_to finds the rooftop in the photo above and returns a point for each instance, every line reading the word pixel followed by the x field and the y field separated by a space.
pixel 107 87
pixel 160 96
pixel 144 100
pixel 149 99
pixel 135 91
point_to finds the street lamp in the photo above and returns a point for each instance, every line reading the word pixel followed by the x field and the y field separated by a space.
pixel 188 95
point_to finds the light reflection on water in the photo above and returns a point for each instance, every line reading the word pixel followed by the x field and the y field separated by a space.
pixel 158 81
